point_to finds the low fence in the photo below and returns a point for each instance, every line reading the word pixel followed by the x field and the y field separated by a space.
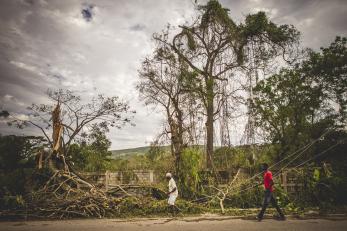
pixel 111 179
pixel 287 179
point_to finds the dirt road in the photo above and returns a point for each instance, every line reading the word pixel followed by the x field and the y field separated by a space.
pixel 181 224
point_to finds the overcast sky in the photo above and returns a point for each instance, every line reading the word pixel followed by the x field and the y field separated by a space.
pixel 94 47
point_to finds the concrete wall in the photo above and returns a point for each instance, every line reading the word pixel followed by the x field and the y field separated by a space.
pixel 109 179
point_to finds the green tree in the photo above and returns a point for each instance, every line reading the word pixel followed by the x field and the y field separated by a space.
pixel 18 151
pixel 91 154
pixel 328 69
pixel 17 163
pixel 190 168
pixel 286 106
pixel 298 104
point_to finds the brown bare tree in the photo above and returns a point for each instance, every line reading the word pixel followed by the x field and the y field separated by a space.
pixel 160 85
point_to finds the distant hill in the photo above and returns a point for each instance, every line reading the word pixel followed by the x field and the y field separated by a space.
pixel 126 153
pixel 129 152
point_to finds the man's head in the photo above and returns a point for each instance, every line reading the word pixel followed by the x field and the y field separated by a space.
pixel 264 167
pixel 168 176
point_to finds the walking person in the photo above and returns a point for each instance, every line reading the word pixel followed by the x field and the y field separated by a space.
pixel 268 194
pixel 172 193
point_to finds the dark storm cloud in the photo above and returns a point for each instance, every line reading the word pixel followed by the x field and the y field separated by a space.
pixel 137 27
pixel 87 12
pixel 89 46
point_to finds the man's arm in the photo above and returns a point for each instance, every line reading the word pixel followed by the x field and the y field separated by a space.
pixel 271 180
pixel 173 190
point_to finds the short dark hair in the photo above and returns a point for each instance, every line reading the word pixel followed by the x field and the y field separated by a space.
pixel 265 166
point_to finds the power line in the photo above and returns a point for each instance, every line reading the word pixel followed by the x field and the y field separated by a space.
pixel 301 150
pixel 299 165
pixel 331 147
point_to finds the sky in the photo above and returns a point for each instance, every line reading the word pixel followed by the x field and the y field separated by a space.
pixel 96 46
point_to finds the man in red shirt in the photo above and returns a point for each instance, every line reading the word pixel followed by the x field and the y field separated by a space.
pixel 268 197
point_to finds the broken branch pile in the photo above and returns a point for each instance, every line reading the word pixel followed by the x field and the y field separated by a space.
pixel 65 195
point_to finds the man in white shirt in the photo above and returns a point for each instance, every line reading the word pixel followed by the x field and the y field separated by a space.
pixel 173 192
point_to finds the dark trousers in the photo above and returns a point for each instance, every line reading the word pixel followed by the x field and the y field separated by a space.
pixel 268 197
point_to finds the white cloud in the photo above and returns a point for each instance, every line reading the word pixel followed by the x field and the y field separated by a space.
pixel 306 22
pixel 27 67
pixel 22 117
pixel 271 12
pixel 49 44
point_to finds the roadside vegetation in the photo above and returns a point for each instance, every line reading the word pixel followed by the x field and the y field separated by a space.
pixel 202 76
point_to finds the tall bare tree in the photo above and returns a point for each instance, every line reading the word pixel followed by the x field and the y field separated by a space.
pixel 160 84
pixel 213 47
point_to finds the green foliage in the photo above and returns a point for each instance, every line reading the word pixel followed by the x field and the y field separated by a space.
pixel 226 158
pixel 155 152
pixel 18 151
pixel 157 158
pixel 190 167
pixel 191 43
pixel 251 198
pixel 295 105
pixel 260 32
pixel 286 106
pixel 16 181
pixel 327 69
pixel 336 157
pixel 266 154
pixel 233 158
pixel 92 154
pixel 149 207
pixel 96 161
pixel 259 24
pixel 126 153
pixel 12 202
pixel 213 12
pixel 321 187
pixel 17 163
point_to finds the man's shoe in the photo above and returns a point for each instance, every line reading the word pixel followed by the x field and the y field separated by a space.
pixel 258 218
pixel 280 218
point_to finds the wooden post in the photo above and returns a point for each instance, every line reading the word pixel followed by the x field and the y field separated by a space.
pixel 121 177
pixel 151 178
pixel 107 180
pixel 284 181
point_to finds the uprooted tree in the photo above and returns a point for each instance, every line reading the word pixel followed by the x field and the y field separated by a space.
pixel 67 117
pixel 66 193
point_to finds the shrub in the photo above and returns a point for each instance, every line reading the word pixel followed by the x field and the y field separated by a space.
pixel 190 167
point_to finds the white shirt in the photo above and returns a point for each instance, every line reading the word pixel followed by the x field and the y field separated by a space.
pixel 172 185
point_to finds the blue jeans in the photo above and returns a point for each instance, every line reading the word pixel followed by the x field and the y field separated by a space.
pixel 268 197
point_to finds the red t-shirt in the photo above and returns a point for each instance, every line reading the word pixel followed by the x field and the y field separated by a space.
pixel 267 180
